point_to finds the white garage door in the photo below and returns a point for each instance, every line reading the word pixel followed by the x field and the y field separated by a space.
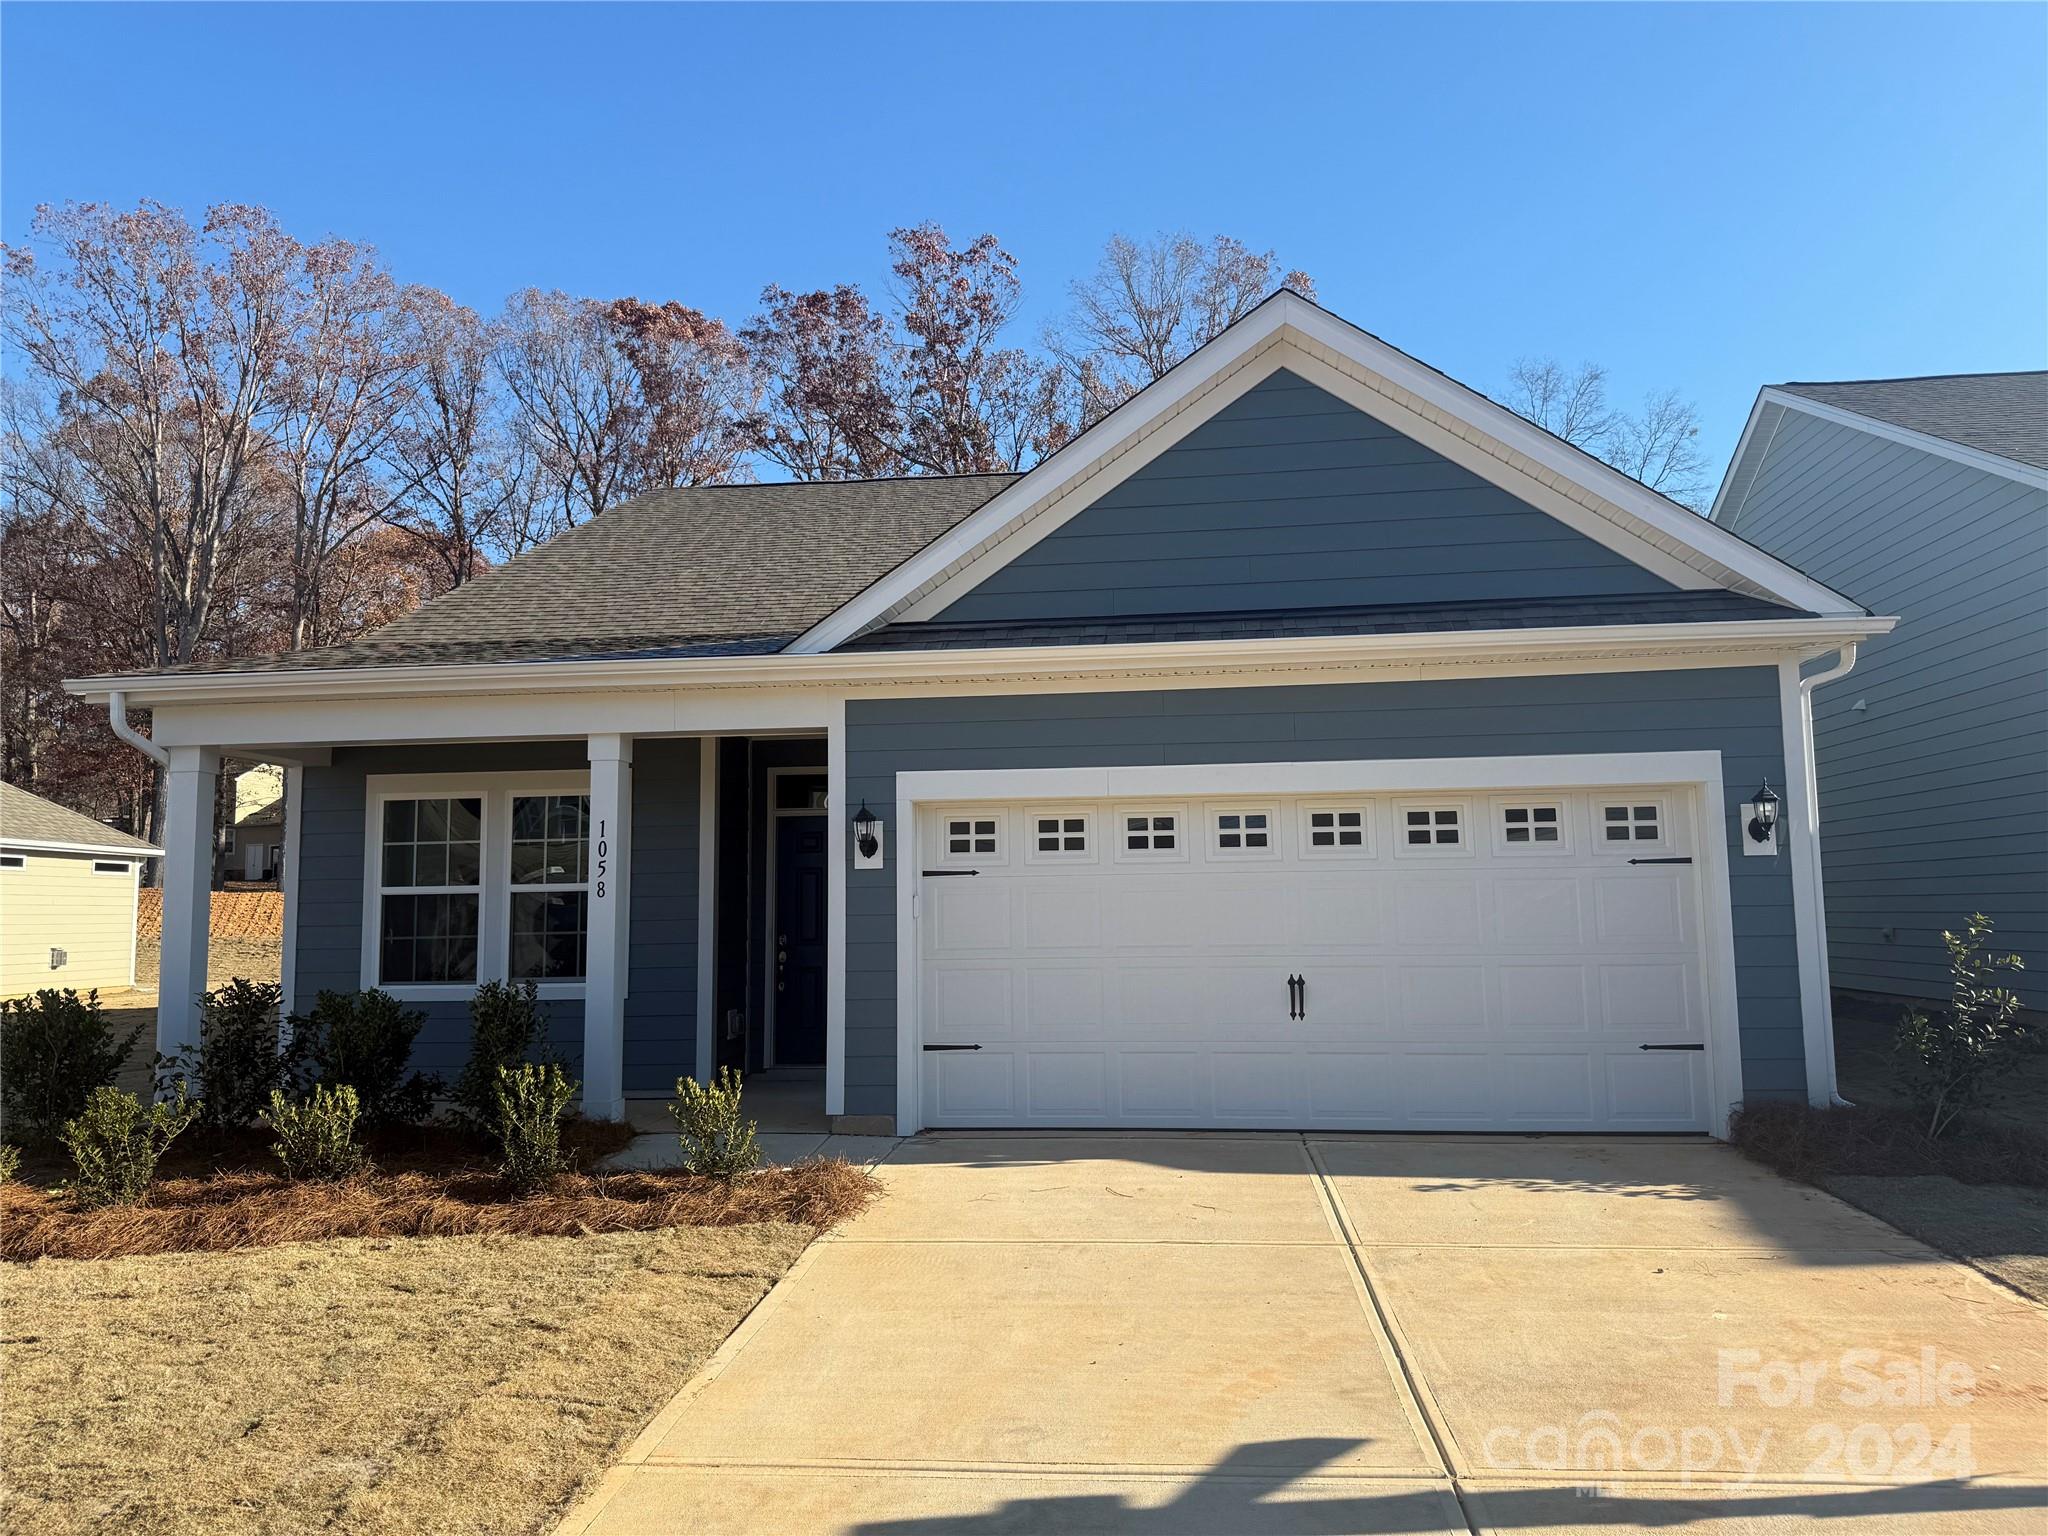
pixel 1520 961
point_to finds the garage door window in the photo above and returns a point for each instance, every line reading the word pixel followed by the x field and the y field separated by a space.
pixel 1432 828
pixel 969 836
pixel 1059 837
pixel 1525 827
pixel 1637 822
pixel 1336 831
pixel 1240 833
pixel 1149 835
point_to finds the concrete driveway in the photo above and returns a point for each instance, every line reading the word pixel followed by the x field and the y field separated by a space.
pixel 1285 1336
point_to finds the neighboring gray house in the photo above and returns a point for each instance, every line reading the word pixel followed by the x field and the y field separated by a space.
pixel 1311 743
pixel 1927 499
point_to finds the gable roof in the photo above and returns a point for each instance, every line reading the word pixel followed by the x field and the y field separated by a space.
pixel 2001 413
pixel 1287 330
pixel 30 821
pixel 716 570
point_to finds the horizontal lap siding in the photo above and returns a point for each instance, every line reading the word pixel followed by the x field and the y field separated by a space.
pixel 1733 711
pixel 1289 498
pixel 1934 795
pixel 661 1007
pixel 58 901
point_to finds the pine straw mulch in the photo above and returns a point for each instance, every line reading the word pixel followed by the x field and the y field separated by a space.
pixel 219 1196
pixel 1813 1145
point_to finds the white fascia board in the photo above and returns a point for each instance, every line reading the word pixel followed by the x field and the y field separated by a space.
pixel 1510 447
pixel 1941 447
pixel 103 850
pixel 1735 460
pixel 575 684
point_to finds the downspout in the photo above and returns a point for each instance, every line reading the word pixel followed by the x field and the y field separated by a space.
pixel 1845 663
pixel 117 717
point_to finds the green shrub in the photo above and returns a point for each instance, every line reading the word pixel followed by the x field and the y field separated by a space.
pixel 531 1100
pixel 55 1048
pixel 505 1022
pixel 1945 1062
pixel 316 1135
pixel 116 1141
pixel 240 1060
pixel 10 1162
pixel 715 1139
pixel 363 1040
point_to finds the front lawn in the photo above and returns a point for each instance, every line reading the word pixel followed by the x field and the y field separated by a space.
pixel 452 1384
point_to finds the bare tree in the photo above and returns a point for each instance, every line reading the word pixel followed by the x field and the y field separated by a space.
pixel 1658 445
pixel 1149 304
pixel 348 371
pixel 572 392
pixel 691 382
pixel 462 487
pixel 830 372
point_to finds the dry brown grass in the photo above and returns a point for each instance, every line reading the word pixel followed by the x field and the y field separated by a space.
pixel 252 1210
pixel 446 1387
pixel 256 916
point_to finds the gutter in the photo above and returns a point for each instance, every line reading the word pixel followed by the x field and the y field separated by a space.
pixel 117 718
pixel 1809 637
pixel 1844 665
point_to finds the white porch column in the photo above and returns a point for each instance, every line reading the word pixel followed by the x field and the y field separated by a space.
pixel 190 781
pixel 604 991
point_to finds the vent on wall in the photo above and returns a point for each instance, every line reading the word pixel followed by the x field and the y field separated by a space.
pixel 59 958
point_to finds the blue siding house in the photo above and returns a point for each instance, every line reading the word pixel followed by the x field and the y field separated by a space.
pixel 1928 499
pixel 1311 743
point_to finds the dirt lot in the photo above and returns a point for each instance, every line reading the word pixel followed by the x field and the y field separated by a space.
pixel 437 1385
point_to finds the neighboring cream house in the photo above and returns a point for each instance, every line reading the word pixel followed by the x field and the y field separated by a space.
pixel 67 897
pixel 252 838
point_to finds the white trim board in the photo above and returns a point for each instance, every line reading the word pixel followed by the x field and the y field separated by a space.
pixel 1699 771
pixel 103 850
pixel 1507 450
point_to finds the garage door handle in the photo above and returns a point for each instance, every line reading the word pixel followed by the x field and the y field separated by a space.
pixel 1297 997
pixel 1640 1047
pixel 974 1047
pixel 1681 859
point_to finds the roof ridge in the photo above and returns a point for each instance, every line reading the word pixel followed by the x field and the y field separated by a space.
pixel 1917 378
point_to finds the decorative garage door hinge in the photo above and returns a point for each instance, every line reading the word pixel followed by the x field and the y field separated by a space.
pixel 1641 1047
pixel 1684 858
pixel 952 1047
pixel 936 873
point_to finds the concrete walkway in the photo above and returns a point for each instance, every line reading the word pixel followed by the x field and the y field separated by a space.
pixel 1278 1336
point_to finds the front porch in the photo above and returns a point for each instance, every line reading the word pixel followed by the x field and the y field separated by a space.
pixel 674 898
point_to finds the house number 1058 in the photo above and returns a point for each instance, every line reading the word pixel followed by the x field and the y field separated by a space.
pixel 603 852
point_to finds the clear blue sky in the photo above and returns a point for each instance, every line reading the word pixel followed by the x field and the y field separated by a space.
pixel 1710 197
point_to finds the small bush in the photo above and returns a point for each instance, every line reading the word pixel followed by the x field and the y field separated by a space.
pixel 715 1139
pixel 116 1142
pixel 10 1162
pixel 55 1049
pixel 316 1135
pixel 1946 1062
pixel 531 1100
pixel 364 1040
pixel 505 1022
pixel 239 1061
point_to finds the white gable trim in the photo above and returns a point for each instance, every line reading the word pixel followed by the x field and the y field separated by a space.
pixel 1490 439
pixel 1940 447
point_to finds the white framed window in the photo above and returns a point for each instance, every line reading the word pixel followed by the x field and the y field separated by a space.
pixel 973 835
pixel 1151 832
pixel 1336 831
pixel 227 838
pixel 1528 824
pixel 13 861
pixel 1059 835
pixel 112 867
pixel 1244 831
pixel 549 918
pixel 430 867
pixel 1640 821
pixel 473 878
pixel 1424 828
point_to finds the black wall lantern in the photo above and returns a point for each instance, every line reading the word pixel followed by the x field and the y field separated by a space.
pixel 865 828
pixel 1764 822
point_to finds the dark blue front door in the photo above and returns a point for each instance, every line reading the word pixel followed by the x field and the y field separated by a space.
pixel 797 962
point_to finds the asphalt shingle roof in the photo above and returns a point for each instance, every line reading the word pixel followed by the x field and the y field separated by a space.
pixel 1381 619
pixel 27 818
pixel 717 570
pixel 2001 413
